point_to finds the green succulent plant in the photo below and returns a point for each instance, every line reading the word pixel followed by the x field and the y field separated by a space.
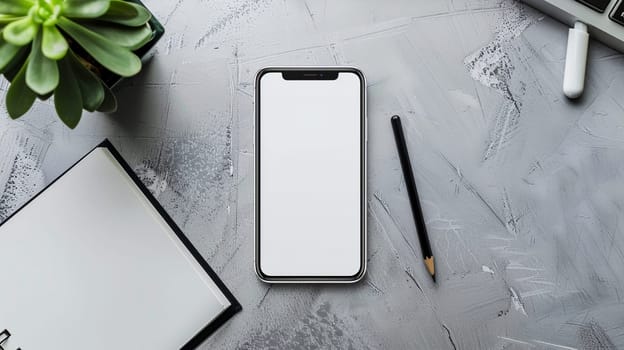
pixel 59 47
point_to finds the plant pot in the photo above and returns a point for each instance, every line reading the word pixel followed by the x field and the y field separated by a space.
pixel 145 53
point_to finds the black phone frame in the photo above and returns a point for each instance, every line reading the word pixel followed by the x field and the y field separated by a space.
pixel 313 73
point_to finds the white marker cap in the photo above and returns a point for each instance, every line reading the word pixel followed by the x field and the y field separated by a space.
pixel 576 61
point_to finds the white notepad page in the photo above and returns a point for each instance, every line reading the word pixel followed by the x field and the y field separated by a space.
pixel 90 264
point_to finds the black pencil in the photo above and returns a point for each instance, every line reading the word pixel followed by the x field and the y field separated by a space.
pixel 410 183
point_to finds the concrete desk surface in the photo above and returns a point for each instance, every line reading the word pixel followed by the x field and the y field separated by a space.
pixel 523 190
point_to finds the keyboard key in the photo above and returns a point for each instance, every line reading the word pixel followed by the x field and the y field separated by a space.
pixel 598 5
pixel 617 14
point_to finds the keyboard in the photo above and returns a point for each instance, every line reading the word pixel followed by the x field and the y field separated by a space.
pixel 604 18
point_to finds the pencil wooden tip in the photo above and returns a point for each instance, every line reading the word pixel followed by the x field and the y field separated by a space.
pixel 430 266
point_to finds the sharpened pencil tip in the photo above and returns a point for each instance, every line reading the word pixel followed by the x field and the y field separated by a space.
pixel 434 280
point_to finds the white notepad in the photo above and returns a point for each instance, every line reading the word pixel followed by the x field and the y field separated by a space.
pixel 93 262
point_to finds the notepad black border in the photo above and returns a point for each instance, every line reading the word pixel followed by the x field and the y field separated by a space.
pixel 229 312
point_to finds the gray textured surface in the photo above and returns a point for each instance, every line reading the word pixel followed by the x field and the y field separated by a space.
pixel 522 189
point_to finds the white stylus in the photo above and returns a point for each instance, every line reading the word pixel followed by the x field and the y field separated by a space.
pixel 576 61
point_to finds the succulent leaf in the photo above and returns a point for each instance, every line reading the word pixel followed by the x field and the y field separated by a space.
pixel 85 8
pixel 20 32
pixel 13 67
pixel 8 51
pixel 90 85
pixel 54 45
pixel 126 13
pixel 42 75
pixel 5 19
pixel 115 58
pixel 15 7
pixel 46 96
pixel 129 37
pixel 67 97
pixel 20 97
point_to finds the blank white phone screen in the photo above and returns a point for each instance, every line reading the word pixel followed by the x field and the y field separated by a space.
pixel 310 176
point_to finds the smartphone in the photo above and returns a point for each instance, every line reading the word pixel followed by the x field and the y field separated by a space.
pixel 310 175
